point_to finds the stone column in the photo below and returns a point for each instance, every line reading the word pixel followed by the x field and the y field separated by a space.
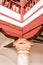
pixel 23 46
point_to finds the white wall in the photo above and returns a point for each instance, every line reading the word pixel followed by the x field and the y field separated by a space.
pixel 9 56
pixel 36 57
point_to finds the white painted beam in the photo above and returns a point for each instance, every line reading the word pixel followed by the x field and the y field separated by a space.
pixel 11 21
pixel 34 16
pixel 9 13
pixel 33 9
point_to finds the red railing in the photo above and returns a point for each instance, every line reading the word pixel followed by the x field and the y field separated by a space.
pixel 30 4
pixel 15 6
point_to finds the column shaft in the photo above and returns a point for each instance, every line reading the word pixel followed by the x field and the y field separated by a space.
pixel 23 46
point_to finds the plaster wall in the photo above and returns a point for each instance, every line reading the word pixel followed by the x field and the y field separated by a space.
pixel 9 56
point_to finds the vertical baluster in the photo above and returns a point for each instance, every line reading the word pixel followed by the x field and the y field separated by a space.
pixel 32 3
pixel 28 7
pixel 1 2
pixel 6 3
pixel 22 2
pixel 17 8
pixel 9 4
pixel 35 1
pixel 13 7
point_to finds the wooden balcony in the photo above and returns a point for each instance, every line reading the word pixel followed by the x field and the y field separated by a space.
pixel 29 4
pixel 13 5
pixel 16 6
pixel 10 12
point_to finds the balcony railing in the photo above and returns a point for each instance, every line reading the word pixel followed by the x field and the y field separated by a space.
pixel 15 6
pixel 30 4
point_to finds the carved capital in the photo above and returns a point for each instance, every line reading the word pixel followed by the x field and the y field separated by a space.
pixel 23 45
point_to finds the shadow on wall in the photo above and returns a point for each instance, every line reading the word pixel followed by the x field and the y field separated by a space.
pixel 36 57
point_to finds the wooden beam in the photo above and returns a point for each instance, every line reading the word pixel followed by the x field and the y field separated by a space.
pixel 35 23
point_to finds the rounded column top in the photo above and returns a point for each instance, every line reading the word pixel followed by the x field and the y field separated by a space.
pixel 22 44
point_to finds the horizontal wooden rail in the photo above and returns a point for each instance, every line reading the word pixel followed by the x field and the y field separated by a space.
pixel 30 4
pixel 16 6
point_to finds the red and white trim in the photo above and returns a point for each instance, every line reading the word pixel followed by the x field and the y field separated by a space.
pixel 9 13
pixel 33 9
pixel 11 21
pixel 34 16
pixel 17 16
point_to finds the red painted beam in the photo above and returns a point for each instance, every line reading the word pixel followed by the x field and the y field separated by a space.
pixel 9 30
pixel 35 23
pixel 32 33
pixel 16 31
pixel 10 25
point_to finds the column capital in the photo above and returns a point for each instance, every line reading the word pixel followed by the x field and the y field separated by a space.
pixel 22 45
